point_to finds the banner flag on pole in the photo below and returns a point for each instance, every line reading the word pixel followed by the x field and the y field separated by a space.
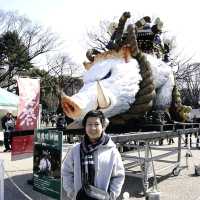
pixel 22 144
pixel 29 97
pixel 28 115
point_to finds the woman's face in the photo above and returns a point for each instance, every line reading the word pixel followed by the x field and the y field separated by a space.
pixel 93 128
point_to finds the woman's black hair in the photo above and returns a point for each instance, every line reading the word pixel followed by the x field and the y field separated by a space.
pixel 94 113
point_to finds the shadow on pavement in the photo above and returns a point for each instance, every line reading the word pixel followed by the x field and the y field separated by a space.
pixel 12 193
pixel 134 185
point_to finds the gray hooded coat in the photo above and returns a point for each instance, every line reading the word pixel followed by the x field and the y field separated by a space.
pixel 109 170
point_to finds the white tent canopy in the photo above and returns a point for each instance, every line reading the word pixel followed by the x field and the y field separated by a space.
pixel 8 102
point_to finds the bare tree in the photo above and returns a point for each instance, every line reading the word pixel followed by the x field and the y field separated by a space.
pixel 62 76
pixel 99 37
pixel 62 66
pixel 37 39
pixel 188 81
pixel 34 39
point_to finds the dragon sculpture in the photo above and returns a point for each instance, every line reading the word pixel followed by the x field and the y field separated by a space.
pixel 128 80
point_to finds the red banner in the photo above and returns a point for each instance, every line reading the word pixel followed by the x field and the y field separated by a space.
pixel 22 147
pixel 29 97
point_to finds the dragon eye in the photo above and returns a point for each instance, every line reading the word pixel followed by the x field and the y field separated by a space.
pixel 106 76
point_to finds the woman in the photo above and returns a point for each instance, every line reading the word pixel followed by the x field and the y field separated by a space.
pixel 95 161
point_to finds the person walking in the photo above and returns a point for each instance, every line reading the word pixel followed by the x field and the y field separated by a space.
pixel 60 122
pixel 95 163
pixel 8 125
pixel 53 119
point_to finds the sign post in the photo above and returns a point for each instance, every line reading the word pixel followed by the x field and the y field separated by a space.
pixel 47 160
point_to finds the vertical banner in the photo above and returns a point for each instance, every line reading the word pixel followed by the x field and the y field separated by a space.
pixel 47 161
pixel 22 144
pixel 28 115
pixel 29 97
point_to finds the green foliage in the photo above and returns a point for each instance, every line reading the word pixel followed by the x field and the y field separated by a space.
pixel 50 87
pixel 21 42
pixel 13 52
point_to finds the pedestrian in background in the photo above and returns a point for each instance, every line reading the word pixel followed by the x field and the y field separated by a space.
pixel 53 119
pixel 8 125
pixel 60 122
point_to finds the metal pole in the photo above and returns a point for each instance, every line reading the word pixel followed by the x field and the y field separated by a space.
pixel 1 180
pixel 179 150
pixel 146 167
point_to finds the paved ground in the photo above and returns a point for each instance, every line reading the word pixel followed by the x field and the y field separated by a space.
pixel 186 186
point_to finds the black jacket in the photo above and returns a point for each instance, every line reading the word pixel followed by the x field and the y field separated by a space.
pixel 3 121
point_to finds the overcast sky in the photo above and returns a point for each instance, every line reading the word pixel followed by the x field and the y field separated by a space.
pixel 71 19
